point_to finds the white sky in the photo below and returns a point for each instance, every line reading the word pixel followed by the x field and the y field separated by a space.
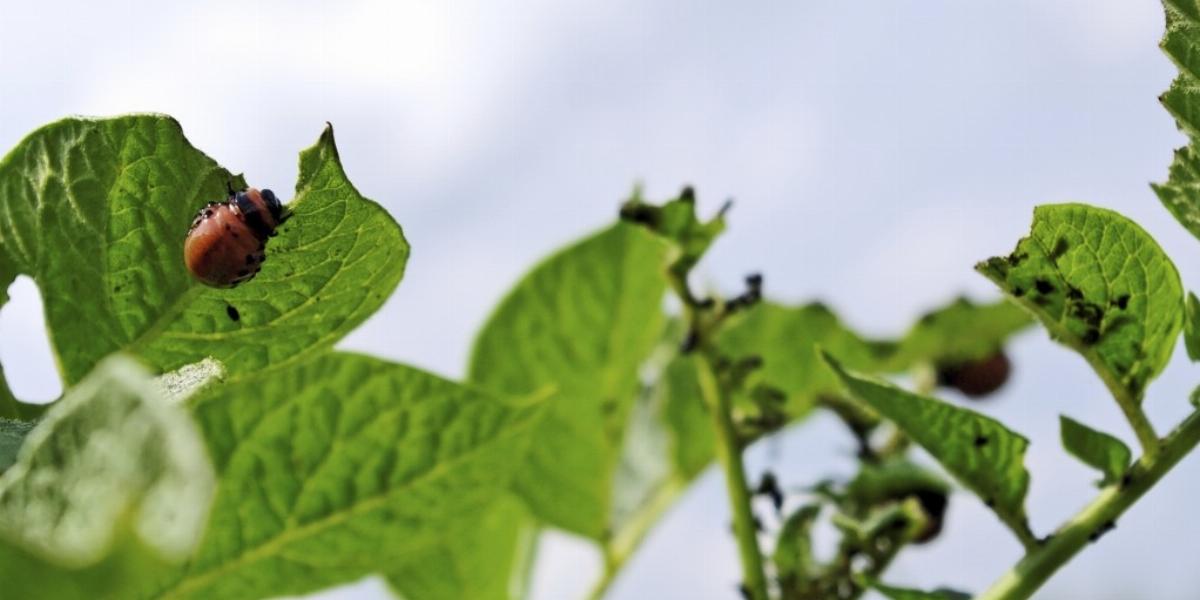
pixel 876 151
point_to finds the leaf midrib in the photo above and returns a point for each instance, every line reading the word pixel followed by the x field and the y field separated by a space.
pixel 265 549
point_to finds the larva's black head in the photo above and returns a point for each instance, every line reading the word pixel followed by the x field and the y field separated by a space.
pixel 273 205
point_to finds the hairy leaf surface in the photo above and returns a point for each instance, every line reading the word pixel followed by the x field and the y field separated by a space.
pixel 1181 192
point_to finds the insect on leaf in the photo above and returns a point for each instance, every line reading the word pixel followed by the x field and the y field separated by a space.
pixel 1101 285
pixel 97 209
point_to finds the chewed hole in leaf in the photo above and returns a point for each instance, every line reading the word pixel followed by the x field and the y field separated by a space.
pixel 25 345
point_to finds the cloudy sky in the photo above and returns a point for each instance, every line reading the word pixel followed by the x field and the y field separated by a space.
pixel 876 150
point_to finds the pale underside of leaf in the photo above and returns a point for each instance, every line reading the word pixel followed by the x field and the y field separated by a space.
pixel 111 454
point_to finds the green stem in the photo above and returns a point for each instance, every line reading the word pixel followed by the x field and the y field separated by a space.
pixel 622 545
pixel 1097 517
pixel 729 452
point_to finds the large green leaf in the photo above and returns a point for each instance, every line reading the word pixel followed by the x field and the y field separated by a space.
pixel 113 482
pixel 340 466
pixel 484 557
pixel 1097 449
pixel 979 451
pixel 581 323
pixel 96 211
pixel 1100 284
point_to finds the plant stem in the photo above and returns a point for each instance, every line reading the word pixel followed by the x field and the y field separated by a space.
pixel 729 452
pixel 1096 518
pixel 622 545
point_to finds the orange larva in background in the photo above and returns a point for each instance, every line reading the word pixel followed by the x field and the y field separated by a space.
pixel 227 242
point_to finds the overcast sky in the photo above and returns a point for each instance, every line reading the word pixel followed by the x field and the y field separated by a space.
pixel 876 150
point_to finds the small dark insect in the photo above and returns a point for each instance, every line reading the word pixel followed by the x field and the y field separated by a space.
pixel 233 313
pixel 226 244
pixel 769 486
pixel 981 441
pixel 976 378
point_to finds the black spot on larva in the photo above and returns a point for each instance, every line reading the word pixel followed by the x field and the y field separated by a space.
pixel 232 312
pixel 1122 301
pixel 981 441
pixel 1126 480
pixel 1043 286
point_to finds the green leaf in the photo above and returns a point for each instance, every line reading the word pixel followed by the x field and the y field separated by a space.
pixel 677 222
pixel 476 559
pixel 897 593
pixel 793 557
pixel 787 339
pixel 12 434
pixel 1101 285
pixel 984 455
pixel 892 480
pixel 959 332
pixel 1097 449
pixel 693 445
pixel 110 454
pixel 581 324
pixel 325 462
pixel 96 211
pixel 1181 192
pixel 1191 330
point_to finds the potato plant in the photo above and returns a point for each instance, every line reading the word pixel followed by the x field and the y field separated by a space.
pixel 212 442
